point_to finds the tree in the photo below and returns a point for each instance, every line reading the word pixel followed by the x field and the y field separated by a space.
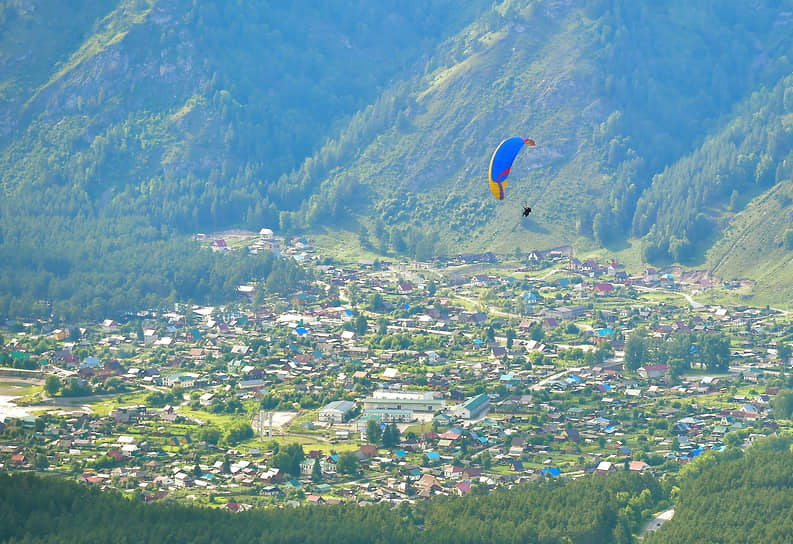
pixel 347 463
pixel 510 338
pixel 238 432
pixel 40 461
pixel 282 461
pixel 52 384
pixel 361 325
pixel 316 471
pixel 296 456
pixel 716 351
pixel 391 436
pixel 784 353
pixel 783 404
pixel 373 431
pixel 635 349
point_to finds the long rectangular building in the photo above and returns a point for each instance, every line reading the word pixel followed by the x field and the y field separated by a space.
pixel 474 407
pixel 416 401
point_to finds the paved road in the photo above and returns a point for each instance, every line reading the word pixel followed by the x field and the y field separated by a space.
pixel 542 383
pixel 655 523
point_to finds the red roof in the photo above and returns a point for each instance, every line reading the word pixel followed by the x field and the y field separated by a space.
pixel 464 487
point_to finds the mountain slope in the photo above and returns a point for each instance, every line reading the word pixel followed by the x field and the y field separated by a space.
pixel 130 126
pixel 614 93
pixel 150 120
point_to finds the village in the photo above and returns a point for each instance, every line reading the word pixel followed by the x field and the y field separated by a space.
pixel 393 381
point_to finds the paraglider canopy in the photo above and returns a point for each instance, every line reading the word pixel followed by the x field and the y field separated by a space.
pixel 501 162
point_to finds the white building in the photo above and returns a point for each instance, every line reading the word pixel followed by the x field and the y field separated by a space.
pixel 336 412
pixel 416 401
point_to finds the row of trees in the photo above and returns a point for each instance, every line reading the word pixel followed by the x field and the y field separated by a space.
pixel 680 351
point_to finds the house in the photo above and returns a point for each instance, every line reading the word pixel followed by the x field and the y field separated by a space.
pixel 572 435
pixel 498 352
pixel 65 357
pixel 428 484
pixel 367 451
pixel 128 414
pixel 150 336
pixel 168 413
pixel 462 488
pixel 271 475
pixel 60 334
pixel 605 467
pixel 182 479
pixel 472 473
pixel 452 471
pixel 327 465
pixel 184 380
pixel 18 460
pixel 109 325
pixel 271 491
pixel 650 372
pixel 433 456
pixel 549 323
pixel 603 288
pixel 517 446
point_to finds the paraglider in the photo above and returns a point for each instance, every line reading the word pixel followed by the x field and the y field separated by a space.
pixel 501 163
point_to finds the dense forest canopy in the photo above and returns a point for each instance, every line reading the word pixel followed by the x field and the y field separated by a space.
pixel 131 125
pixel 586 511
pixel 733 497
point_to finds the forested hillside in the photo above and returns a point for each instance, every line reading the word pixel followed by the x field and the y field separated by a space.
pixel 617 95
pixel 730 497
pixel 128 126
